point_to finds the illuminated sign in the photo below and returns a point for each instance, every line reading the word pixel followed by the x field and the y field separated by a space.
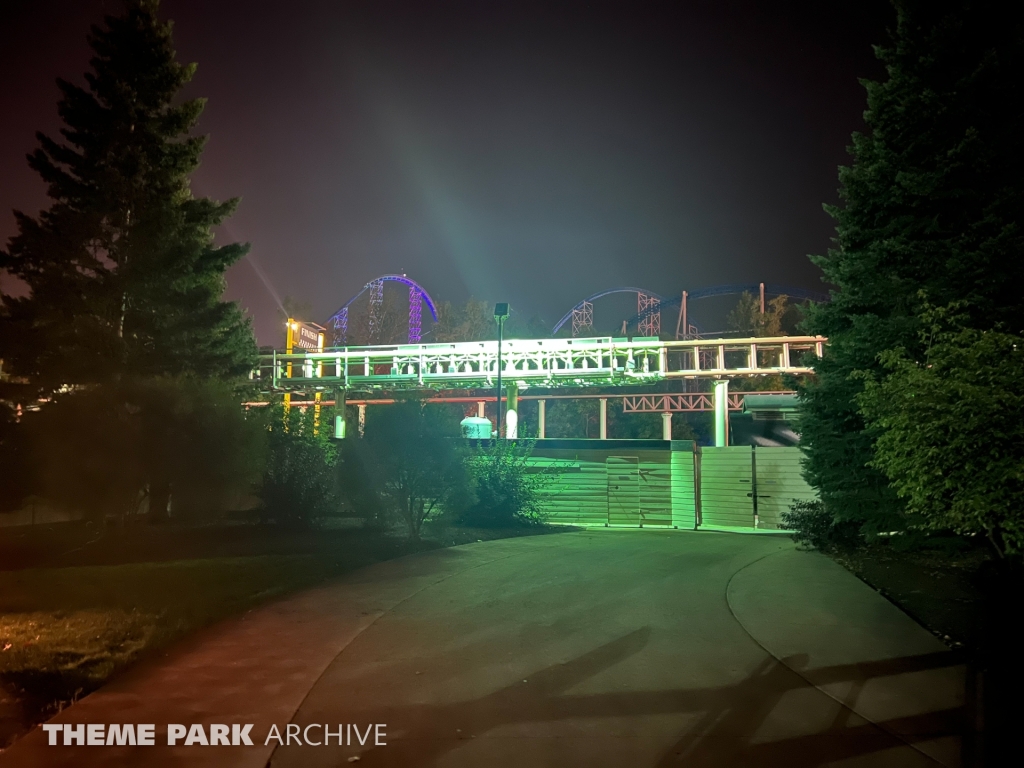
pixel 307 336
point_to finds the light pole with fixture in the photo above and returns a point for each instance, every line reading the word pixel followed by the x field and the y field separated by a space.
pixel 500 315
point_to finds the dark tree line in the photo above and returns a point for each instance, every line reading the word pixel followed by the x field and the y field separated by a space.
pixel 118 349
pixel 912 426
pixel 930 219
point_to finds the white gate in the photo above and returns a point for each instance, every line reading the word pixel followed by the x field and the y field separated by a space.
pixel 726 487
pixel 779 483
pixel 623 490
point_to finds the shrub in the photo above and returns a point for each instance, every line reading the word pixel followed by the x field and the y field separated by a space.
pixel 414 466
pixel 951 430
pixel 507 489
pixel 815 527
pixel 300 484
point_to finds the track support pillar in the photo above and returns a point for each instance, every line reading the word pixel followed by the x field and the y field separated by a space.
pixel 721 413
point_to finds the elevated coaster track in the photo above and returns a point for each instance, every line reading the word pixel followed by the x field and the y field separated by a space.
pixel 603 361
pixel 338 323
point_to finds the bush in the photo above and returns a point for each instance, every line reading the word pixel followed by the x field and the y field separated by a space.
pixel 300 484
pixel 507 490
pixel 814 527
pixel 414 466
pixel 951 430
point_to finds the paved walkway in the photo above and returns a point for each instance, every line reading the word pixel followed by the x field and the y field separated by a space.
pixel 582 649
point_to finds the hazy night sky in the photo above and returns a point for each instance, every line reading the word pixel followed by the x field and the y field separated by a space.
pixel 534 153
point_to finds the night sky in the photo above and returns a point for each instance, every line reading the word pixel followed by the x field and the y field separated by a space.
pixel 533 153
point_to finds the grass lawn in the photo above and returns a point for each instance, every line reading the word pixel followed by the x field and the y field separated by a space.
pixel 78 605
pixel 80 624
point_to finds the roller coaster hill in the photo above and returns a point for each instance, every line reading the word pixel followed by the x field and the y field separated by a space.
pixel 318 365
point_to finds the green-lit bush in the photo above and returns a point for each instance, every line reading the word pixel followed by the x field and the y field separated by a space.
pixel 507 489
pixel 412 462
pixel 951 430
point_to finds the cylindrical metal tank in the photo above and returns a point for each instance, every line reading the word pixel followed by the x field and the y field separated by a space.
pixel 476 428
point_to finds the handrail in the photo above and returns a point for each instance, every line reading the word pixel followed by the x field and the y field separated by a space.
pixel 599 361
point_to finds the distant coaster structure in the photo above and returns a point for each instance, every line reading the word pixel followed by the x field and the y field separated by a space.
pixel 582 315
pixel 378 371
pixel 338 323
pixel 647 320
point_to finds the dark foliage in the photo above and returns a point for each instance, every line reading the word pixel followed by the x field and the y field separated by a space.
pixel 123 275
pixel 814 527
pixel 507 487
pixel 16 483
pixel 300 484
pixel 932 201
pixel 414 465
pixel 115 449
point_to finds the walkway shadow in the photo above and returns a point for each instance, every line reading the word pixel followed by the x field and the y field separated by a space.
pixel 723 735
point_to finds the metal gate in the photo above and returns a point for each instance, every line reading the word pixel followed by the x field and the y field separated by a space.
pixel 623 474
pixel 742 487
pixel 779 483
pixel 726 487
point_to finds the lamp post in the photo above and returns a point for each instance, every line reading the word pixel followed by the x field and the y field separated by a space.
pixel 500 315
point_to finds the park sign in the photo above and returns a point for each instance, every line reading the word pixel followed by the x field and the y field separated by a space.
pixel 309 336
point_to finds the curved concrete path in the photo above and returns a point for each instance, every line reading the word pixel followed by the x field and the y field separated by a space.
pixel 579 649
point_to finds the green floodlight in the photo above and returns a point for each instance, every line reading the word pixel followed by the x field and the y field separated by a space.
pixel 500 311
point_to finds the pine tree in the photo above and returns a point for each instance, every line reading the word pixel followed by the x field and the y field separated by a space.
pixel 931 212
pixel 123 276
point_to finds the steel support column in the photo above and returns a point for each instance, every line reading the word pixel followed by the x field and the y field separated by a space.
pixel 512 410
pixel 721 413
pixel 603 418
pixel 339 415
pixel 541 418
pixel 666 426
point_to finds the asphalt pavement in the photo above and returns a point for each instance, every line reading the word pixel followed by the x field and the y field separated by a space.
pixel 594 648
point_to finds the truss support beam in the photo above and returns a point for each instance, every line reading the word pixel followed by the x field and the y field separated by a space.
pixel 415 314
pixel 583 319
pixel 376 308
pixel 695 402
pixel 339 323
pixel 650 323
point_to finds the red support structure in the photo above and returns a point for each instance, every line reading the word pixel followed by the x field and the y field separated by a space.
pixel 649 325
pixel 684 402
